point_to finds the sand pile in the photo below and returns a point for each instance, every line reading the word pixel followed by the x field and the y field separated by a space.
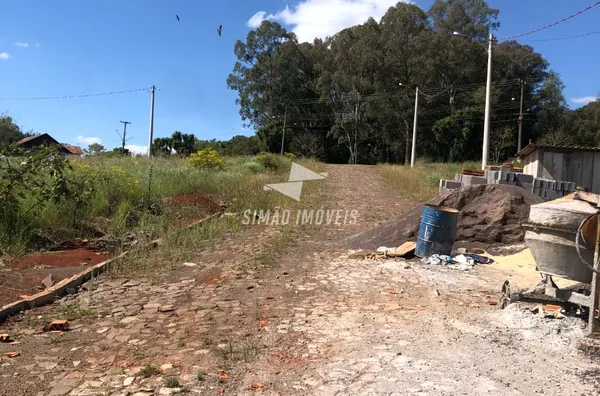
pixel 490 214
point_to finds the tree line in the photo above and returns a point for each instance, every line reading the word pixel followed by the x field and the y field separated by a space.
pixel 350 98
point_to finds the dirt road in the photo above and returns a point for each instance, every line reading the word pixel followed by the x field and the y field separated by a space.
pixel 313 323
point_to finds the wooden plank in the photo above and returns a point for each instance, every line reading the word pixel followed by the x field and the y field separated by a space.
pixel 574 174
pixel 557 162
pixel 566 166
pixel 405 248
pixel 587 169
pixel 546 164
pixel 535 168
pixel 596 174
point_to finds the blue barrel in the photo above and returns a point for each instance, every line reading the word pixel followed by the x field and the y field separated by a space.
pixel 437 231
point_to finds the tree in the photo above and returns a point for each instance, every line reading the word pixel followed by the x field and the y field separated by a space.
pixel 584 124
pixel 95 148
pixel 184 144
pixel 10 132
pixel 502 140
pixel 552 109
pixel 162 146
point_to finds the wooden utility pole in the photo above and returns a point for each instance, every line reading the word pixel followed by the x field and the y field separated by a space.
pixel 520 117
pixel 284 125
pixel 123 137
pixel 151 132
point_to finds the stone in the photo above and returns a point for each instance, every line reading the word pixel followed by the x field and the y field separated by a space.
pixel 128 320
pixel 47 365
pixel 128 381
pixel 166 308
pixel 76 363
pixel 190 264
pixel 63 387
pixel 48 281
pixel 108 360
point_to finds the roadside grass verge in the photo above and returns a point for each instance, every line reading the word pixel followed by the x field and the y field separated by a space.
pixel 47 200
pixel 421 183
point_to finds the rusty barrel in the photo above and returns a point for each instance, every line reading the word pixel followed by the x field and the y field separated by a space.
pixel 436 231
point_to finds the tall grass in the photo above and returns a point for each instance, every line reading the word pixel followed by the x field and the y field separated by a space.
pixel 421 183
pixel 123 195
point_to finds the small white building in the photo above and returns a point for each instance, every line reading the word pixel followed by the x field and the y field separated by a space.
pixel 580 165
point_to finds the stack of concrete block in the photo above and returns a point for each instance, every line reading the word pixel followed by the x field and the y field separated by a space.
pixel 543 188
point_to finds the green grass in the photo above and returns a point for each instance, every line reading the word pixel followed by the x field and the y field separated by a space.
pixel 421 183
pixel 123 194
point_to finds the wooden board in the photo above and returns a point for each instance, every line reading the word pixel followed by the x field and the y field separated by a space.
pixel 557 163
pixel 405 248
pixel 587 169
pixel 596 174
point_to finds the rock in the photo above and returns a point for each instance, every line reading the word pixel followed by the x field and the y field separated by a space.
pixel 128 381
pixel 63 387
pixel 76 363
pixel 190 264
pixel 108 360
pixel 435 292
pixel 166 366
pixel 128 320
pixel 166 308
pixel 47 365
pixel 48 281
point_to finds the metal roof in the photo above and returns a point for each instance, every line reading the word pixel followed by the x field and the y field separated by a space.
pixel 530 148
pixel 74 149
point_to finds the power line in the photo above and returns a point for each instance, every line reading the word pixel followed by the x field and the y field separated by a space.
pixel 552 24
pixel 563 38
pixel 78 96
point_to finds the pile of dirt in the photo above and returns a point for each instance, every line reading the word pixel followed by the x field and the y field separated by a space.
pixel 489 214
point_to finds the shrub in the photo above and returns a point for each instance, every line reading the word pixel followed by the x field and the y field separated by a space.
pixel 289 156
pixel 270 161
pixel 206 158
pixel 254 167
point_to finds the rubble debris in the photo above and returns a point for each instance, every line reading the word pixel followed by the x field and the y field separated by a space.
pixel 490 214
pixel 12 354
pixel 257 386
pixel 48 282
pixel 57 325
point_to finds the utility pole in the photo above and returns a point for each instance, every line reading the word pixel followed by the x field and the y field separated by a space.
pixel 486 121
pixel 124 134
pixel 283 135
pixel 151 132
pixel 520 117
pixel 414 137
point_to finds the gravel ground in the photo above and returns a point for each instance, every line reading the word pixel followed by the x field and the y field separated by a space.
pixel 313 323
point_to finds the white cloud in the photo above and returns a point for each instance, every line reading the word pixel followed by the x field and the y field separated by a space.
pixel 322 18
pixel 4 55
pixel 135 149
pixel 88 140
pixel 584 100
pixel 256 19
pixel 20 44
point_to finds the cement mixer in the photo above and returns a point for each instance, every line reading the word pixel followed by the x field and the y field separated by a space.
pixel 564 240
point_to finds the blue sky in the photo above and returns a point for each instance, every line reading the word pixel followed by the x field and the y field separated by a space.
pixel 78 47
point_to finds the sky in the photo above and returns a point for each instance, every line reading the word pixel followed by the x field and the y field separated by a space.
pixel 79 47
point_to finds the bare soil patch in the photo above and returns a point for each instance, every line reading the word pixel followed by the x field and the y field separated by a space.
pixel 23 276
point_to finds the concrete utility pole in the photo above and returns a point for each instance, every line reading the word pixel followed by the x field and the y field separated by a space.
pixel 151 132
pixel 414 137
pixel 486 121
pixel 124 134
pixel 283 135
pixel 520 117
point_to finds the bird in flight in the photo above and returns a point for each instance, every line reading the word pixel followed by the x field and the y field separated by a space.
pixel 177 16
pixel 219 30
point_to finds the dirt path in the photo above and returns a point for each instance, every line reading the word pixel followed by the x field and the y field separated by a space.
pixel 314 322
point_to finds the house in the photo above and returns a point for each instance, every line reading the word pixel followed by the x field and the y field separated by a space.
pixel 580 165
pixel 36 141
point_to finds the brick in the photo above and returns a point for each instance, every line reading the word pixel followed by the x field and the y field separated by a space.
pixel 468 180
pixel 523 178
